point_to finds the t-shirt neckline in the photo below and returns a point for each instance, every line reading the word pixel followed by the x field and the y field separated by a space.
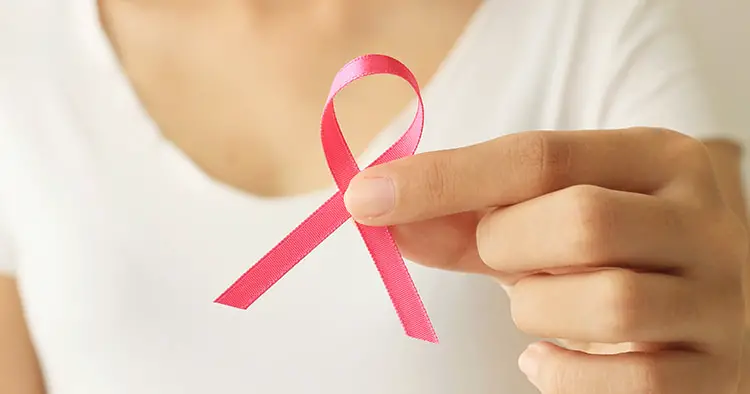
pixel 105 75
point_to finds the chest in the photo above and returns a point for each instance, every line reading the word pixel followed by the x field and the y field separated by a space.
pixel 118 292
pixel 221 84
pixel 119 269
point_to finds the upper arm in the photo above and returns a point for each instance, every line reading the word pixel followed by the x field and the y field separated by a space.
pixel 19 369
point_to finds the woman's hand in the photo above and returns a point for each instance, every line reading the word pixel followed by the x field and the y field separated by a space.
pixel 611 240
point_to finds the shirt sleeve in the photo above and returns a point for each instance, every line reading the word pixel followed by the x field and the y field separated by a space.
pixel 653 75
pixel 7 261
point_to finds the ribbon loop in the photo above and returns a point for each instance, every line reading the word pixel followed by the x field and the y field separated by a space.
pixel 340 160
pixel 332 214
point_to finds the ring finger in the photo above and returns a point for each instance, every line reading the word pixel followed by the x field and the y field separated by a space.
pixel 613 306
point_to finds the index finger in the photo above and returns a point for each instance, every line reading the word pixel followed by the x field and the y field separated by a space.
pixel 518 167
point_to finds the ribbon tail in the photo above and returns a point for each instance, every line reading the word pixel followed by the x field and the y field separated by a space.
pixel 398 283
pixel 286 254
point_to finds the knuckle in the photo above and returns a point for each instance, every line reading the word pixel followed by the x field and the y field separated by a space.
pixel 592 220
pixel 689 152
pixel 690 163
pixel 684 145
pixel 619 304
pixel 437 183
pixel 543 159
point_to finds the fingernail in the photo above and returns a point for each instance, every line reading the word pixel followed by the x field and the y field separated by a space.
pixel 370 197
pixel 528 362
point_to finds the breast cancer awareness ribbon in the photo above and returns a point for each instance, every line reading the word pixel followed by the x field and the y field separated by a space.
pixel 332 214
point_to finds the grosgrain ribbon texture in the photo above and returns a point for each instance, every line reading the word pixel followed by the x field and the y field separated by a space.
pixel 332 214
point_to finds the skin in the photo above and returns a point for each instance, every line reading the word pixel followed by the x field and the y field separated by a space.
pixel 192 63
pixel 640 275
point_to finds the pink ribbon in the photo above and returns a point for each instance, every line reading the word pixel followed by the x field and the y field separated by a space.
pixel 332 214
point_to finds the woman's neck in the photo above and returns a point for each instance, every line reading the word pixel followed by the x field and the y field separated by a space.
pixel 230 86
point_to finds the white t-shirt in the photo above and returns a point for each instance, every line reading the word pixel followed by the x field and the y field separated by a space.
pixel 120 243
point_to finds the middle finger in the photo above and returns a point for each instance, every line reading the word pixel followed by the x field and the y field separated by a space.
pixel 586 226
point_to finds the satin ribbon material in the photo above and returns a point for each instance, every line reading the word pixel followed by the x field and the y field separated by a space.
pixel 332 214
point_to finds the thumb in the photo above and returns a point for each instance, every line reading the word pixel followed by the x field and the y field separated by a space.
pixel 422 187
pixel 400 194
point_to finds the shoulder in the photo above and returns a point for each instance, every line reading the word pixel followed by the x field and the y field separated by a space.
pixel 591 22
pixel 587 33
pixel 583 11
pixel 31 39
pixel 30 32
pixel 616 64
pixel 25 28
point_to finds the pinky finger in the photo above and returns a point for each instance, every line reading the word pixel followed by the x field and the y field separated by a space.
pixel 554 370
